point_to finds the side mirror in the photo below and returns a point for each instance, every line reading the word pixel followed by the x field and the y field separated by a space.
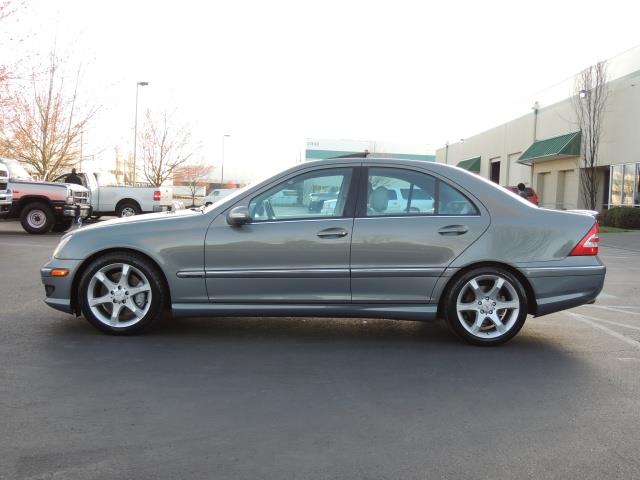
pixel 239 216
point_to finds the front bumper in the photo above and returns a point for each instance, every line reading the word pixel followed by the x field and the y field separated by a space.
pixel 58 290
pixel 82 211
pixel 6 200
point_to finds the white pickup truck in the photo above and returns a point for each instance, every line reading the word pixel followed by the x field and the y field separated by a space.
pixel 109 198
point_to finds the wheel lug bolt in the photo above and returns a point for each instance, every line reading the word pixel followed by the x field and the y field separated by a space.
pixel 479 303
pixel 111 292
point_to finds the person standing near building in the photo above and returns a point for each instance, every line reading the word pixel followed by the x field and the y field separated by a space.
pixel 521 191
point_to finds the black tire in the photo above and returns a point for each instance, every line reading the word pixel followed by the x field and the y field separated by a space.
pixel 156 282
pixel 96 217
pixel 37 218
pixel 62 225
pixel 451 312
pixel 128 209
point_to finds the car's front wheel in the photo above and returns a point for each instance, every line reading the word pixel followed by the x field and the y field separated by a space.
pixel 486 306
pixel 121 293
pixel 37 218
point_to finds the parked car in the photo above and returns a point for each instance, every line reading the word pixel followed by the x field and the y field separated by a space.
pixel 6 197
pixel 317 200
pixel 42 206
pixel 484 267
pixel 530 193
pixel 217 194
pixel 401 200
pixel 109 198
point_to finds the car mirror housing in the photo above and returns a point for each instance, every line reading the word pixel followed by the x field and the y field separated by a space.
pixel 238 216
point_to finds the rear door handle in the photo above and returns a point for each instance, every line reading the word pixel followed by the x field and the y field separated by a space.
pixel 333 233
pixel 453 230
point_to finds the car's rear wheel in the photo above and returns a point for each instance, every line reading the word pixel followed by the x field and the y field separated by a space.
pixel 486 306
pixel 121 293
pixel 128 209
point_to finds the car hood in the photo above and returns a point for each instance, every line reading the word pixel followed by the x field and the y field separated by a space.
pixel 147 217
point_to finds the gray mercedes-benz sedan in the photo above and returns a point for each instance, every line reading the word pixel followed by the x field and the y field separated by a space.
pixel 393 239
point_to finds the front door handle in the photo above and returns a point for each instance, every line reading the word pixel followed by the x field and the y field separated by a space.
pixel 333 233
pixel 453 230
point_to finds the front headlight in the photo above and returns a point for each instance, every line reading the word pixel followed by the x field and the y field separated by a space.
pixel 63 241
pixel 69 196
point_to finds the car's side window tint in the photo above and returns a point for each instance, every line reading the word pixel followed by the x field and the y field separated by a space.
pixel 317 194
pixel 392 191
pixel 398 192
pixel 452 202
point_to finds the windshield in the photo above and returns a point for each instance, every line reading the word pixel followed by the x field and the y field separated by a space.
pixel 16 170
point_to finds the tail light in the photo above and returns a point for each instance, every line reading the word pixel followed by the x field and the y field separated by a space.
pixel 156 196
pixel 589 243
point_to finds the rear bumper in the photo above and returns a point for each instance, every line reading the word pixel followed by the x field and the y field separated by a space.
pixel 560 288
pixel 174 205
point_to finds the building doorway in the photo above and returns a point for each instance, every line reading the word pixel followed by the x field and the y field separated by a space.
pixel 494 175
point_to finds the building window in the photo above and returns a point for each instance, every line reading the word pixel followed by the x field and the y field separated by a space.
pixel 637 201
pixel 625 185
pixel 628 182
pixel 616 185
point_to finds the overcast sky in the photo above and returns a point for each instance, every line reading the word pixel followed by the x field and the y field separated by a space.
pixel 271 73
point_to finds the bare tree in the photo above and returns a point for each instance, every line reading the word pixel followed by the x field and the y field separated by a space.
pixel 43 124
pixel 590 103
pixel 193 176
pixel 164 148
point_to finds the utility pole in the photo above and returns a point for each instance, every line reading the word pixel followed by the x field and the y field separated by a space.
pixel 135 130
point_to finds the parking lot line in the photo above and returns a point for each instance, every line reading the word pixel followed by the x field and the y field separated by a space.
pixel 618 324
pixel 590 321
pixel 615 309
pixel 27 245
pixel 632 307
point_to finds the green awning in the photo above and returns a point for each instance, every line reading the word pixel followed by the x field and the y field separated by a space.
pixel 563 146
pixel 472 164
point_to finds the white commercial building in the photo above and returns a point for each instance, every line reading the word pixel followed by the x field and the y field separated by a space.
pixel 543 148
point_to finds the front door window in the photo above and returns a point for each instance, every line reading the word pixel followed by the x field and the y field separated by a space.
pixel 318 194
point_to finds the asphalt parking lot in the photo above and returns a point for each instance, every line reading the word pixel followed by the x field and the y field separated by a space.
pixel 317 398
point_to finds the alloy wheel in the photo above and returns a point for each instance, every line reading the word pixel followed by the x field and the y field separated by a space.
pixel 488 306
pixel 119 295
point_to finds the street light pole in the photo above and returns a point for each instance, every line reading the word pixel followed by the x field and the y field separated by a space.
pixel 135 131
pixel 222 165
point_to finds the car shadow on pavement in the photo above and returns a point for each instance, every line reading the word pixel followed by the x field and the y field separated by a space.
pixel 285 330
